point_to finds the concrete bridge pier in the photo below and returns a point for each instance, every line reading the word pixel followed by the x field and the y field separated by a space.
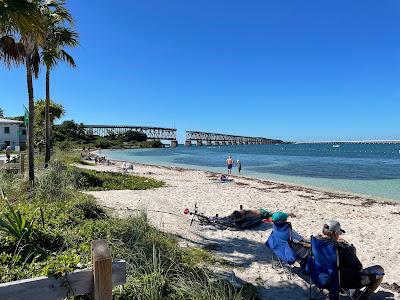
pixel 174 143
pixel 188 143
pixel 199 143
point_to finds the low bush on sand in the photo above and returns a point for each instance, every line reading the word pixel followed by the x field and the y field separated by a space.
pixel 101 181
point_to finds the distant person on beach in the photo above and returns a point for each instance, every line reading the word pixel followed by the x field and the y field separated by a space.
pixel 229 162
pixel 239 166
pixel 352 273
pixel 8 153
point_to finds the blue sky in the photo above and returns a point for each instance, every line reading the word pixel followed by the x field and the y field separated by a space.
pixel 294 70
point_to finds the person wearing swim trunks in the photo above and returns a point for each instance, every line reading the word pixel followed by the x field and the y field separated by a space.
pixel 239 166
pixel 229 162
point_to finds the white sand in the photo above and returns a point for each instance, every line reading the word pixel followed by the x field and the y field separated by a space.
pixel 372 227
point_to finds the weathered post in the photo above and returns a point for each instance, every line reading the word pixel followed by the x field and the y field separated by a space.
pixel 21 163
pixel 102 270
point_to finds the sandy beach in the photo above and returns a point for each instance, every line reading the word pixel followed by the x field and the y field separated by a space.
pixel 370 225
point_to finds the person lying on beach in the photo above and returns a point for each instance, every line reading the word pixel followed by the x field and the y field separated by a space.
pixel 352 273
pixel 252 217
pixel 262 214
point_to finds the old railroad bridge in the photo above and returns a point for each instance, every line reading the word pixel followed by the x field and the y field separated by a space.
pixel 210 138
pixel 169 134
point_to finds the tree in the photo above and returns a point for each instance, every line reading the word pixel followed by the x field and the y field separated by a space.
pixel 21 31
pixel 1 113
pixel 69 130
pixel 132 135
pixel 58 36
pixel 56 111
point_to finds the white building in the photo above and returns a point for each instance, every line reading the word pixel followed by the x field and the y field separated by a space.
pixel 12 133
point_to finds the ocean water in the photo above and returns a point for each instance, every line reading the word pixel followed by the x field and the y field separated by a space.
pixel 369 170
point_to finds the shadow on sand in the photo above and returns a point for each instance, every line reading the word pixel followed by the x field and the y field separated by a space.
pixel 242 253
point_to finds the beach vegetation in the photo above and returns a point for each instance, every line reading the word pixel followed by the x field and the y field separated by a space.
pixel 100 181
pixel 56 241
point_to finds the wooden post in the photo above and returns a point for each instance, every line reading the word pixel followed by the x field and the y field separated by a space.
pixel 102 270
pixel 21 163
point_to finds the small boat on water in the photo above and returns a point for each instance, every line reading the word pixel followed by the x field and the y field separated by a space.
pixel 336 146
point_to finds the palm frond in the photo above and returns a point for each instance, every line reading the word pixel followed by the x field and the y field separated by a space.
pixel 35 62
pixel 11 52
pixel 67 58
pixel 20 16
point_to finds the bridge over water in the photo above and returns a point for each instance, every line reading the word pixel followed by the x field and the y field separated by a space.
pixel 210 138
pixel 152 133
pixel 352 142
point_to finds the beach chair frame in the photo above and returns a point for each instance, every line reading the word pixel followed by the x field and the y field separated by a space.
pixel 277 263
pixel 341 290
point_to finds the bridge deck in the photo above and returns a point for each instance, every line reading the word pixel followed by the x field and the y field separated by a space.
pixel 152 133
pixel 352 142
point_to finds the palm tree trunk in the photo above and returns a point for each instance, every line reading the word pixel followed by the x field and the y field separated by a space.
pixel 47 118
pixel 31 158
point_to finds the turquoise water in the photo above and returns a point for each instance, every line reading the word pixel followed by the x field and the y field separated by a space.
pixel 371 170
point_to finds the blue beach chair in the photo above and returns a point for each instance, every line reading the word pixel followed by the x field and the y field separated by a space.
pixel 278 242
pixel 323 267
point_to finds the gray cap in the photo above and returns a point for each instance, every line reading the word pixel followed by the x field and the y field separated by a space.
pixel 333 226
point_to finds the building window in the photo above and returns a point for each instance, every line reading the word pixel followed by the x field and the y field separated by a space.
pixel 23 131
pixel 6 129
pixel 8 143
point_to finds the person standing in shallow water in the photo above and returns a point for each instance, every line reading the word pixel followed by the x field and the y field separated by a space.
pixel 239 166
pixel 229 162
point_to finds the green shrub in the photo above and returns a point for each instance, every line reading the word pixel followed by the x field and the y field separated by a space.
pixel 81 179
pixel 100 181
pixel 65 145
pixel 90 209
pixel 52 185
pixel 102 143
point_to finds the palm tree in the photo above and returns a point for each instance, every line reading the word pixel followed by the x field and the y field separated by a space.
pixel 56 111
pixel 58 36
pixel 21 32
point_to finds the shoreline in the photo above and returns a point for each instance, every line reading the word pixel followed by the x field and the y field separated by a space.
pixel 299 187
pixel 371 225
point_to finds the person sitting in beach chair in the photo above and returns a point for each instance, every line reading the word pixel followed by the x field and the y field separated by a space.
pixel 334 265
pixel 287 246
